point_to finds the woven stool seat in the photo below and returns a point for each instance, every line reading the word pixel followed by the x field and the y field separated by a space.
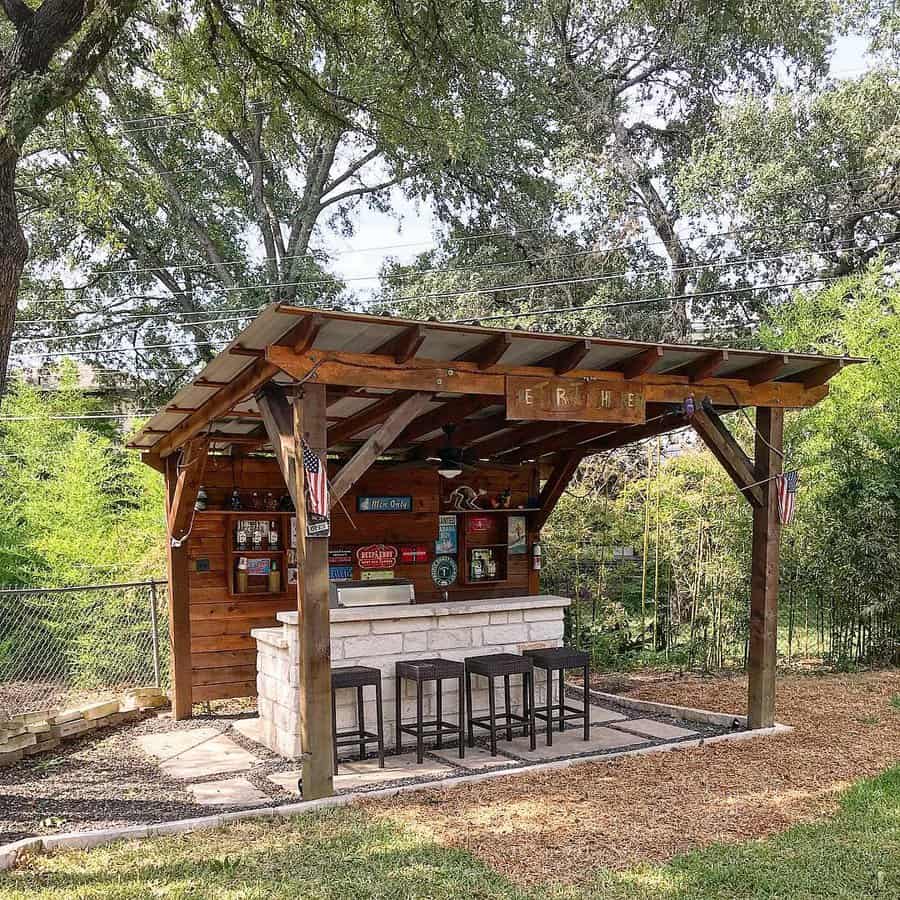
pixel 502 665
pixel 558 658
pixel 354 676
pixel 430 669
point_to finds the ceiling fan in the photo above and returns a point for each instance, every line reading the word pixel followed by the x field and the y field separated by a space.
pixel 450 460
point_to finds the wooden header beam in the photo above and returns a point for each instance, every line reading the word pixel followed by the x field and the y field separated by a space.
pixel 567 359
pixel 187 485
pixel 728 452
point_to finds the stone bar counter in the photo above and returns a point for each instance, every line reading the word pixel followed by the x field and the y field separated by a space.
pixel 378 636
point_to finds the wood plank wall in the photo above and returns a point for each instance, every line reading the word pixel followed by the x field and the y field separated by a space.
pixel 223 655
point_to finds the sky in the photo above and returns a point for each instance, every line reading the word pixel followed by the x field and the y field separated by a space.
pixel 413 226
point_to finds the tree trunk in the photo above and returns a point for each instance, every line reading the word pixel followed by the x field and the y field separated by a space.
pixel 13 252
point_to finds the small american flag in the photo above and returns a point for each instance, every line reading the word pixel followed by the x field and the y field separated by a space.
pixel 787 495
pixel 316 482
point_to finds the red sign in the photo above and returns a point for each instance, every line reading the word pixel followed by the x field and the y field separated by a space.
pixel 479 524
pixel 377 556
pixel 414 553
pixel 342 556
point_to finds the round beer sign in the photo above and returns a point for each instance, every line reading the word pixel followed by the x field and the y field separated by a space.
pixel 444 571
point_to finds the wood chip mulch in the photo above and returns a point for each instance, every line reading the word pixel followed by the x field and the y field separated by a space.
pixel 561 825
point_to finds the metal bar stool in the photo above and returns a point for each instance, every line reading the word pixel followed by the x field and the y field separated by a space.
pixel 558 659
pixel 357 677
pixel 421 671
pixel 496 665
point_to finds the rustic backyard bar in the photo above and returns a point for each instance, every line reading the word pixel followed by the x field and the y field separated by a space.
pixel 446 448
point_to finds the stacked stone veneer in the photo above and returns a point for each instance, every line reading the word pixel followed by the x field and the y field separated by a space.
pixel 379 636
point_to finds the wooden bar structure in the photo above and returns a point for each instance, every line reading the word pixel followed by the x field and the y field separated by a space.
pixel 371 398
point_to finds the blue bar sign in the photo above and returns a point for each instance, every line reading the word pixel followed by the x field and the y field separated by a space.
pixel 384 504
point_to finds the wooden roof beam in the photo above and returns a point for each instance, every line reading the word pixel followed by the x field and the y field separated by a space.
pixel 621 437
pixel 405 345
pixel 820 375
pixel 187 486
pixel 640 363
pixel 278 419
pixel 559 479
pixel 704 367
pixel 567 359
pixel 518 436
pixel 568 439
pixel 451 412
pixel 764 371
pixel 375 412
pixel 467 432
pixel 303 335
pixel 488 353
pixel 728 452
pixel 380 441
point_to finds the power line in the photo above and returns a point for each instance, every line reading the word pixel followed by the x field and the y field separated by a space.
pixel 609 276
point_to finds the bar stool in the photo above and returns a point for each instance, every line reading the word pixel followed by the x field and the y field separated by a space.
pixel 558 659
pixel 421 671
pixel 493 666
pixel 357 677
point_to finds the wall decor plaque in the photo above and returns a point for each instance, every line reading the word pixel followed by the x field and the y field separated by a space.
pixel 444 571
pixel 384 504
pixel 377 556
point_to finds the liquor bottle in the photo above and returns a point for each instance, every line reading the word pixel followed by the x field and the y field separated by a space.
pixel 254 501
pixel 273 536
pixel 274 578
pixel 241 536
pixel 242 576
pixel 202 499
pixel 257 539
pixel 271 504
pixel 234 501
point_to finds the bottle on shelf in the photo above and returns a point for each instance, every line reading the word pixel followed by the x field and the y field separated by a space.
pixel 240 536
pixel 256 542
pixel 274 578
pixel 234 501
pixel 273 536
pixel 255 503
pixel 242 583
pixel 202 499
pixel 270 503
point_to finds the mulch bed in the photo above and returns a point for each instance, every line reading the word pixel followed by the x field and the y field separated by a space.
pixel 558 826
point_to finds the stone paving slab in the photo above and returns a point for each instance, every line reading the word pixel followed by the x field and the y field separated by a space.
pixel 652 728
pixel 356 775
pixel 227 792
pixel 600 715
pixel 196 753
pixel 570 743
pixel 476 759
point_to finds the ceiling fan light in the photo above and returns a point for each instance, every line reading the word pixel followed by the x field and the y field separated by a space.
pixel 449 469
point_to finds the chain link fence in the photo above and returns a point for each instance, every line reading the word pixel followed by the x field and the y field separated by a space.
pixel 63 645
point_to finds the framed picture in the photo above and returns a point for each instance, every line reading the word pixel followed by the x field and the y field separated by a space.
pixel 291 574
pixel 517 539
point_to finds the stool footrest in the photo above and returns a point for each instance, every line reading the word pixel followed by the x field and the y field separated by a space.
pixel 570 713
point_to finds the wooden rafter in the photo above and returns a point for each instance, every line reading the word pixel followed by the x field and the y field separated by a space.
pixel 303 335
pixel 567 439
pixel 728 452
pixel 489 352
pixel 820 375
pixel 380 441
pixel 365 418
pixel 518 436
pixel 640 363
pixel 451 411
pixel 704 367
pixel 405 345
pixel 465 433
pixel 628 435
pixel 763 371
pixel 568 358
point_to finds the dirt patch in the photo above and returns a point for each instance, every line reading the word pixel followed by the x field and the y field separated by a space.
pixel 562 825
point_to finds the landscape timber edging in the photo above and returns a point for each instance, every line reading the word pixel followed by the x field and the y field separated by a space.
pixel 688 713
pixel 10 854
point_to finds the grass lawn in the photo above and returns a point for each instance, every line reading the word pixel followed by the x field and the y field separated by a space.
pixel 346 854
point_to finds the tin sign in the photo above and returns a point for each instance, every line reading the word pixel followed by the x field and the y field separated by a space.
pixel 377 556
pixel 444 571
pixel 377 575
pixel 340 573
pixel 384 504
pixel 342 556
pixel 413 553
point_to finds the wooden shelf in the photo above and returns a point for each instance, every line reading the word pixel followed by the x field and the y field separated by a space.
pixel 473 546
pixel 482 512
pixel 251 514
pixel 256 553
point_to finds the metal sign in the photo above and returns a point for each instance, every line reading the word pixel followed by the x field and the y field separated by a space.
pixel 384 504
pixel 569 400
pixel 413 553
pixel 444 571
pixel 377 556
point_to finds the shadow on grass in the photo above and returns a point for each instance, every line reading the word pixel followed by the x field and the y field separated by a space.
pixel 344 855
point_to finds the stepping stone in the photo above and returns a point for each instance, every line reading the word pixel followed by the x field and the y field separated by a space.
pixel 570 743
pixel 251 729
pixel 228 792
pixel 476 759
pixel 652 728
pixel 360 774
pixel 196 753
pixel 600 715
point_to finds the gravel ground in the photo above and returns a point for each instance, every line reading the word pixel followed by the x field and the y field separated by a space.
pixel 105 779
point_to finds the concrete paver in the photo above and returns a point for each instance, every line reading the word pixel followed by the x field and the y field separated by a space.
pixel 227 792
pixel 570 743
pixel 196 753
pixel 476 759
pixel 652 728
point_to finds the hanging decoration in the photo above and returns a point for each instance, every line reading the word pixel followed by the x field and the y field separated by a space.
pixel 318 523
pixel 786 485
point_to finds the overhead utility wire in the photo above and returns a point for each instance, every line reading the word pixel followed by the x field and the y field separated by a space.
pixel 390 301
pixel 539 313
pixel 608 276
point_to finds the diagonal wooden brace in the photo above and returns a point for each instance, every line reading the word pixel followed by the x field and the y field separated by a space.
pixel 729 453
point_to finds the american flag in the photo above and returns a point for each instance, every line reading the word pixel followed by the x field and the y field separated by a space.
pixel 316 482
pixel 787 495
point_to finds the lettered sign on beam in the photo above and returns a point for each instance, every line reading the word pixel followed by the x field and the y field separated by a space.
pixel 571 400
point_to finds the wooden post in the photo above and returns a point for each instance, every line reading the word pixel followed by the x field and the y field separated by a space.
pixel 179 608
pixel 764 574
pixel 314 624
